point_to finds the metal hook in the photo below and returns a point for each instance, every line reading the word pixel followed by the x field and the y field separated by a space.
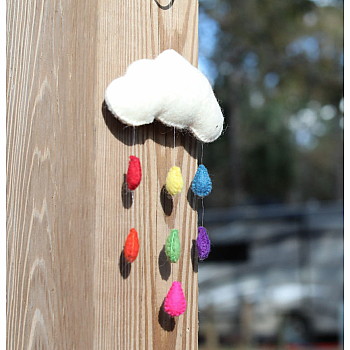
pixel 165 7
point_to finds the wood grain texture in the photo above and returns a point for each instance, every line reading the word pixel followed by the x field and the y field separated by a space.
pixel 68 213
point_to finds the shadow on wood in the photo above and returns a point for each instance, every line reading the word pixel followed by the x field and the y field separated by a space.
pixel 125 134
pixel 124 266
pixel 126 195
pixel 194 256
pixel 165 320
pixel 167 201
pixel 164 265
pixel 191 198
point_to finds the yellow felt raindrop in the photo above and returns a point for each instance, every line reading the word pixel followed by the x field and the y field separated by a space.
pixel 174 181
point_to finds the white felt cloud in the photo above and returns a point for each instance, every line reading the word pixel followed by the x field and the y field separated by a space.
pixel 170 90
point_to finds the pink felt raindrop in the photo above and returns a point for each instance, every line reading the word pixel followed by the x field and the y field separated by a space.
pixel 175 302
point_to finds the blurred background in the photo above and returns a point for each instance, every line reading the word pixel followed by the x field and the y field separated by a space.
pixel 274 277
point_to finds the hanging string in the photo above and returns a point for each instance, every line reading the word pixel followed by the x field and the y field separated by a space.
pixel 174 147
pixel 174 155
pixel 174 152
pixel 202 211
pixel 133 192
pixel 202 144
pixel 170 14
pixel 202 152
pixel 203 241
pixel 133 140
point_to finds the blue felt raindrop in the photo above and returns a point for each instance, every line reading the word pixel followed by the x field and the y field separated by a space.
pixel 201 184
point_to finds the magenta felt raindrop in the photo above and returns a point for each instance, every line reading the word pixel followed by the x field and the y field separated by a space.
pixel 175 302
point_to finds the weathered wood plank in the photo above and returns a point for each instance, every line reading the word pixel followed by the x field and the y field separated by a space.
pixel 67 213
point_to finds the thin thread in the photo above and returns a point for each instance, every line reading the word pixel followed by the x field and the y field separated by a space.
pixel 132 193
pixel 132 199
pixel 170 29
pixel 202 197
pixel 174 155
pixel 133 208
pixel 202 144
pixel 202 153
pixel 170 14
pixel 174 147
pixel 202 211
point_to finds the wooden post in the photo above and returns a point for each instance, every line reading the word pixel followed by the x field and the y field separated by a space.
pixel 67 212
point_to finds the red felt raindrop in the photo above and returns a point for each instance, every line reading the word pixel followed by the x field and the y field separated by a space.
pixel 134 174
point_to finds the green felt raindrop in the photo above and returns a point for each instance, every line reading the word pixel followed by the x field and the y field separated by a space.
pixel 172 246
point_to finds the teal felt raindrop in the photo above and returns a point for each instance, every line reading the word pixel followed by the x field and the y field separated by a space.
pixel 201 184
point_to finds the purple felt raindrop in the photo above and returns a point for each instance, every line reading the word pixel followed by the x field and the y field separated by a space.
pixel 203 243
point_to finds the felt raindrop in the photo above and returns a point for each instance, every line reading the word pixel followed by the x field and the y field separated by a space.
pixel 174 181
pixel 201 184
pixel 131 248
pixel 172 246
pixel 134 174
pixel 175 302
pixel 203 243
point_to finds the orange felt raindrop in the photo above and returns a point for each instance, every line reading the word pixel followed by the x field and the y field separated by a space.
pixel 131 248
pixel 134 174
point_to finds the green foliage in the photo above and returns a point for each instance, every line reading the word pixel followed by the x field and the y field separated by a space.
pixel 280 72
